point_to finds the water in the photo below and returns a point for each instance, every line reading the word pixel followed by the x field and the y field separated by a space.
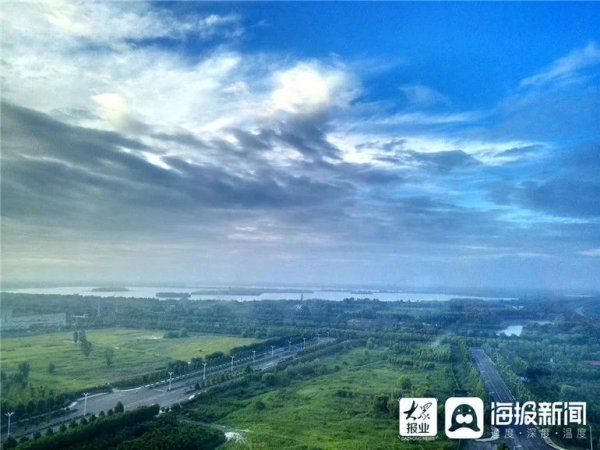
pixel 311 293
pixel 511 330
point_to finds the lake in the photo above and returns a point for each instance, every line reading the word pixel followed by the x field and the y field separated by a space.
pixel 511 330
pixel 310 293
pixel 516 330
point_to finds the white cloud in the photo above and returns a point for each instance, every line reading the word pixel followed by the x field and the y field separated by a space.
pixel 593 252
pixel 88 61
pixel 423 96
pixel 112 24
pixel 114 110
pixel 310 88
pixel 421 118
pixel 373 149
pixel 566 66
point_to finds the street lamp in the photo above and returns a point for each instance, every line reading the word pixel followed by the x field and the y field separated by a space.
pixel 232 363
pixel 303 343
pixel 85 397
pixel 9 415
pixel 170 379
pixel 272 350
pixel 253 356
pixel 290 346
pixel 204 373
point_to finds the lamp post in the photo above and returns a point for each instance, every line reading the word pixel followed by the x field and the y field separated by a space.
pixel 303 343
pixel 9 415
pixel 204 372
pixel 272 350
pixel 85 397
pixel 290 346
pixel 253 356
pixel 170 379
pixel 232 363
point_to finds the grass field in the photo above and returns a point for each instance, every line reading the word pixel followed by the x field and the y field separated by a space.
pixel 136 351
pixel 310 414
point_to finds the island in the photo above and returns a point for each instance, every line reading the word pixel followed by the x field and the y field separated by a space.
pixel 110 289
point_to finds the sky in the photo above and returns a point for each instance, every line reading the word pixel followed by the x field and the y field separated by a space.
pixel 382 144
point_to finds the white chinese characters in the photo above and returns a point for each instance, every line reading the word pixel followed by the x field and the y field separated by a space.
pixel 539 414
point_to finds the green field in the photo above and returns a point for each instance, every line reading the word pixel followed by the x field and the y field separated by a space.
pixel 311 414
pixel 136 351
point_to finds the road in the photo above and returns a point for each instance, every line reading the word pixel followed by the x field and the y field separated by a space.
pixel 499 392
pixel 181 388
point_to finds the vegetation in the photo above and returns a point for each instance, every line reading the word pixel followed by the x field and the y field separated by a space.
pixel 25 360
pixel 346 401
pixel 138 429
pixel 340 395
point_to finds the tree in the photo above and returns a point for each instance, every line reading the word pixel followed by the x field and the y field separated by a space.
pixel 24 369
pixel 109 354
pixel 119 408
pixel 10 442
pixel 393 408
pixel 379 403
pixel 20 409
pixel 269 379
pixel 86 347
pixel 370 343
pixel 40 406
pixel 51 368
pixel 62 428
pixel 75 336
pixel 405 383
pixel 49 432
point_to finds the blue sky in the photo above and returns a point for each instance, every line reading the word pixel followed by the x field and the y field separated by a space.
pixel 410 144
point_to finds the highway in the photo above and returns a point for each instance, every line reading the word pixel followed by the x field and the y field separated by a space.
pixel 499 392
pixel 181 388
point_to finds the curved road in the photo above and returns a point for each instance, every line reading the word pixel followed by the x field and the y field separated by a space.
pixel 182 388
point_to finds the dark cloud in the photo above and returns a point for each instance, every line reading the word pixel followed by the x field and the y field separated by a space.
pixel 186 139
pixel 446 161
pixel 51 169
pixel 61 180
pixel 564 184
pixel 561 197
pixel 521 151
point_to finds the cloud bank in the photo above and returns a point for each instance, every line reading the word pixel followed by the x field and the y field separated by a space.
pixel 130 154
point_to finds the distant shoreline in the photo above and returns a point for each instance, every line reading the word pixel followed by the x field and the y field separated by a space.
pixel 110 289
